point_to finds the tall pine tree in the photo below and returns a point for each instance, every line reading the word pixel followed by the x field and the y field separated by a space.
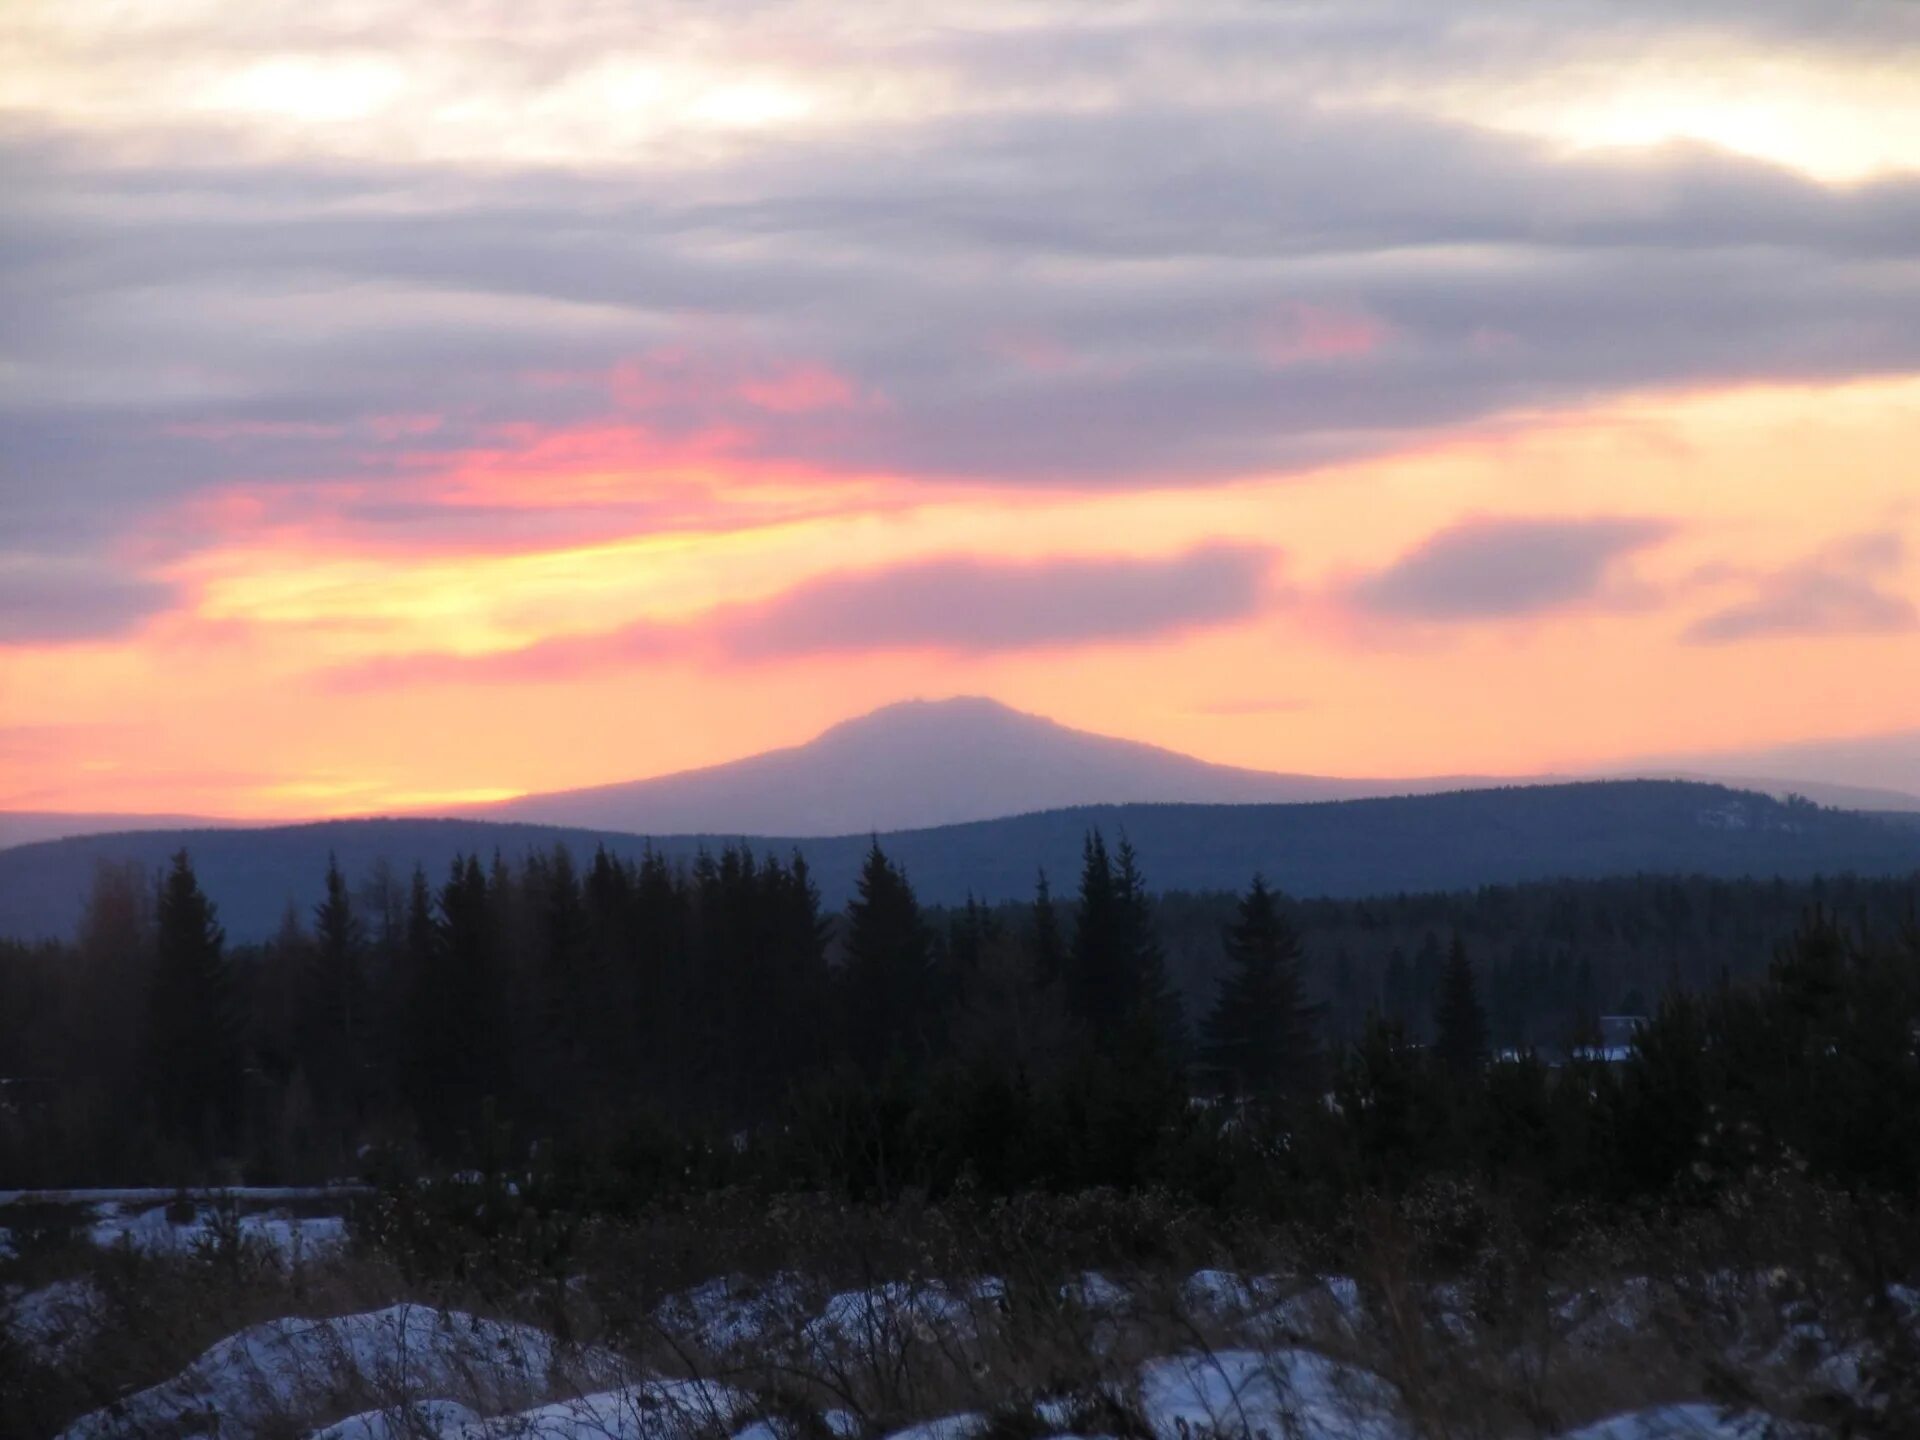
pixel 888 975
pixel 1098 990
pixel 1259 1037
pixel 1156 1003
pixel 194 1061
pixel 335 1004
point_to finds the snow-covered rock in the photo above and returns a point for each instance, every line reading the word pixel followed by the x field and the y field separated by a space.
pixel 1330 1309
pixel 1243 1393
pixel 1597 1319
pixel 841 1424
pixel 728 1315
pixel 400 1422
pixel 54 1322
pixel 285 1373
pixel 1683 1422
pixel 1224 1295
pixel 857 1320
pixel 646 1410
pixel 1096 1294
pixel 948 1427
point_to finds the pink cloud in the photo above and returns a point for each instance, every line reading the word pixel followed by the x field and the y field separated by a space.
pixel 1297 332
pixel 801 389
pixel 695 382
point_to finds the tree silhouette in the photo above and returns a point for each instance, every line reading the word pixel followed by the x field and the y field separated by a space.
pixel 1460 1025
pixel 1049 954
pixel 335 1003
pixel 1259 1037
pixel 888 967
pixel 194 1059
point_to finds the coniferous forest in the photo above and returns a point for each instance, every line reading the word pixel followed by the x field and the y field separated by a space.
pixel 649 1027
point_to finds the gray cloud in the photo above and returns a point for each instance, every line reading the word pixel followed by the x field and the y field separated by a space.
pixel 974 606
pixel 1499 568
pixel 61 601
pixel 1131 242
pixel 1845 591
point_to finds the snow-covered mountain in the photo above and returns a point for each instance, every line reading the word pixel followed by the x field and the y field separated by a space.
pixel 924 763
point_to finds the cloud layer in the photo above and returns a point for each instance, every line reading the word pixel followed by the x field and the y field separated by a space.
pixel 1131 258
pixel 1845 591
pixel 679 379
pixel 954 606
pixel 1503 568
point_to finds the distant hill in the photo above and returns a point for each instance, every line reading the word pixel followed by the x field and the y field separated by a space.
pixel 1871 772
pixel 24 827
pixel 1347 848
pixel 924 763
pixel 927 763
pixel 1842 797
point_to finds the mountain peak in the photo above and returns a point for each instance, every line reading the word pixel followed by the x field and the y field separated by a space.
pixel 911 765
pixel 919 707
pixel 935 719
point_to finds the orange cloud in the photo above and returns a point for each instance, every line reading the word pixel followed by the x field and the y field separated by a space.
pixel 954 604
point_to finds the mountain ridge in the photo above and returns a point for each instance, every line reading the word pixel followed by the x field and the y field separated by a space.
pixel 1445 841
pixel 920 764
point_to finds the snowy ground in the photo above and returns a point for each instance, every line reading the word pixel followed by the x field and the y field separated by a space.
pixel 155 1229
pixel 165 1222
pixel 410 1372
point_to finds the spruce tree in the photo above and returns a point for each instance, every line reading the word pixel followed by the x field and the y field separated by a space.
pixel 193 1056
pixel 1154 1000
pixel 888 967
pixel 1460 1025
pixel 457 1049
pixel 1259 1037
pixel 1098 993
pixel 335 1010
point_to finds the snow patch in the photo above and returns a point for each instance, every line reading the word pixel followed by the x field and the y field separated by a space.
pixel 400 1422
pixel 1296 1393
pixel 880 1318
pixel 152 1232
pixel 292 1370
pixel 56 1321
pixel 1684 1422
pixel 729 1315
pixel 947 1427
pixel 648 1410
pixel 1222 1295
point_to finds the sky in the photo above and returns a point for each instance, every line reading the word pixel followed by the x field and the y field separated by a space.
pixel 407 405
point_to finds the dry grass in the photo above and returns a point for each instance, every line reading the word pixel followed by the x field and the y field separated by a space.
pixel 887 1318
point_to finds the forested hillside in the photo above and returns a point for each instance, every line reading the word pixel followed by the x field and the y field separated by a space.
pixel 1341 848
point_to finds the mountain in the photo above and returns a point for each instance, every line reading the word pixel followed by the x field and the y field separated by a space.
pixel 925 763
pixel 922 764
pixel 1357 847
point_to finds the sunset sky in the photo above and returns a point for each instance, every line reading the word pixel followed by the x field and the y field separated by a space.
pixel 411 404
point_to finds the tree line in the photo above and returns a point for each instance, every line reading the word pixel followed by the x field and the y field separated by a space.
pixel 651 1024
